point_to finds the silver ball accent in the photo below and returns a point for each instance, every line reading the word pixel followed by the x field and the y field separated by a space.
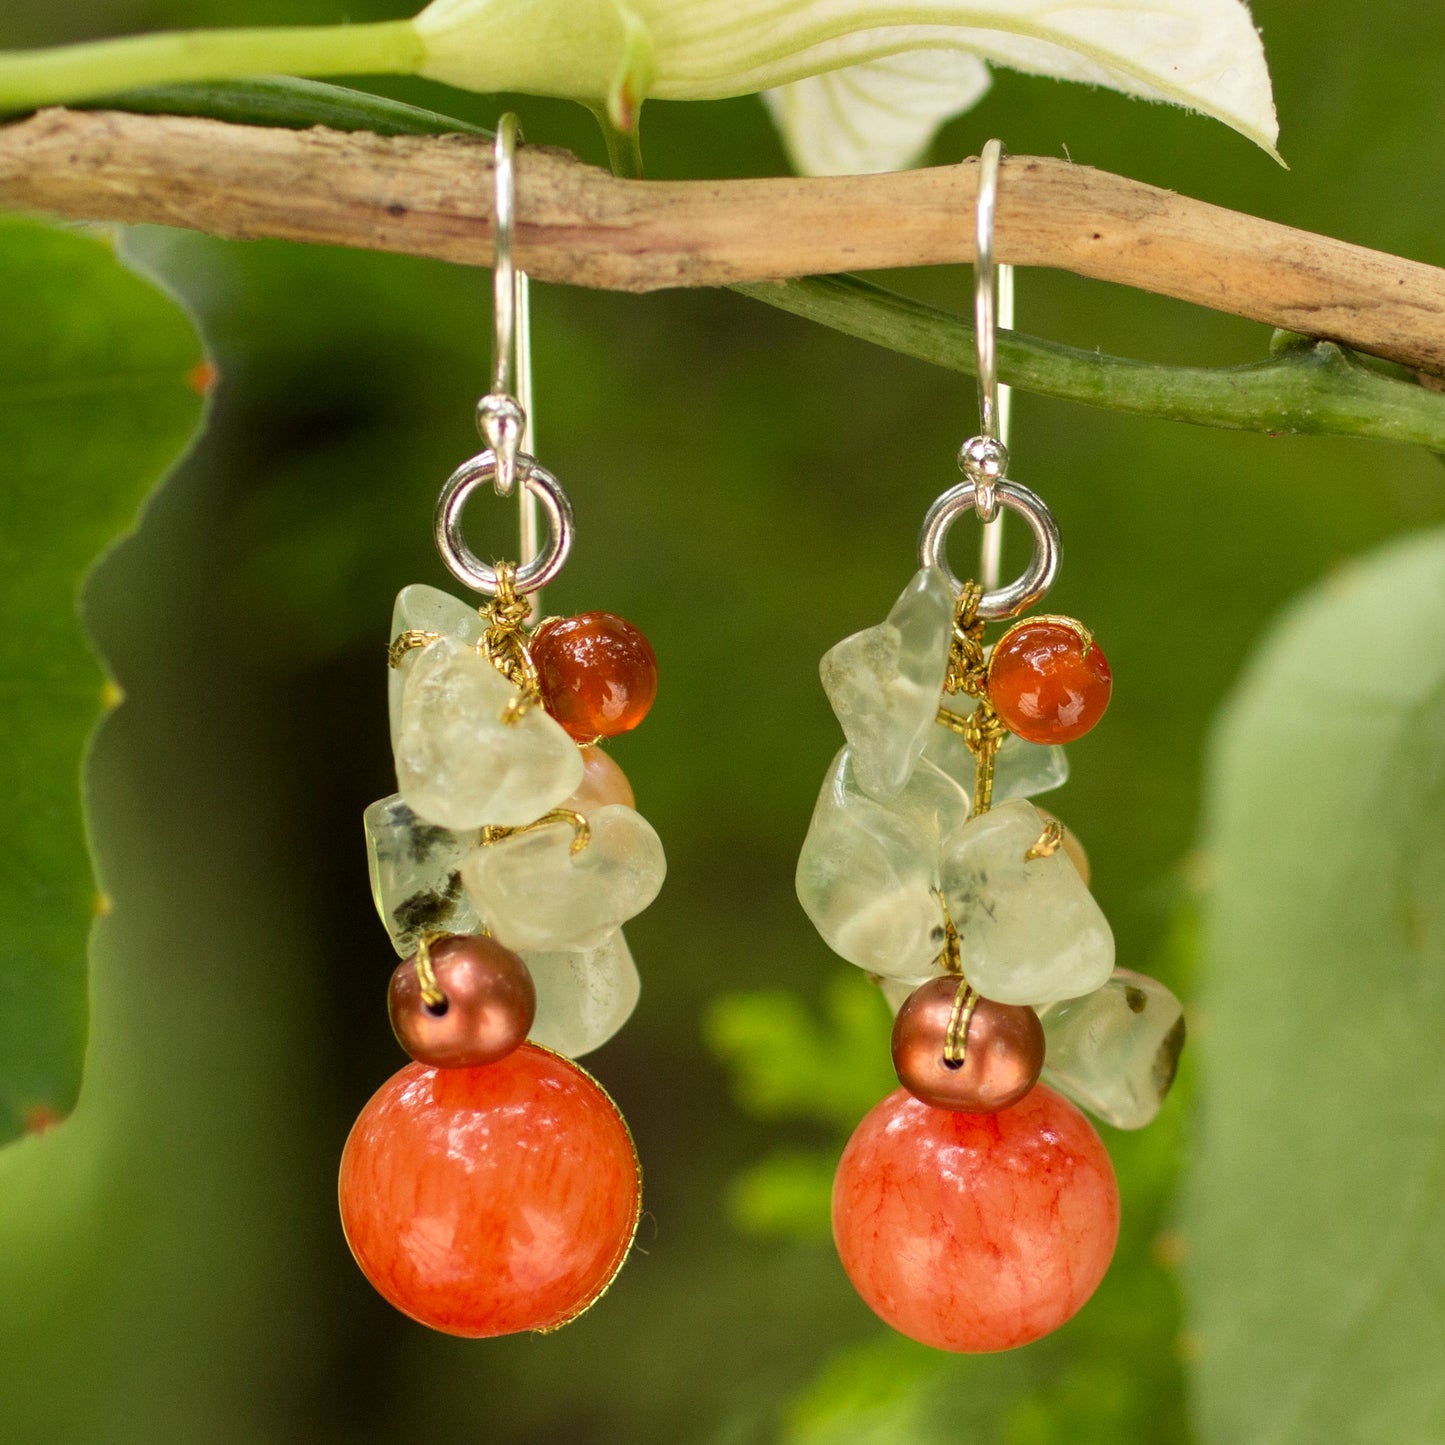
pixel 983 459
pixel 501 422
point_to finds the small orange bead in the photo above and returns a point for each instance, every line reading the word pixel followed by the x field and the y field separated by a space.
pixel 488 1201
pixel 597 672
pixel 1048 680
pixel 603 782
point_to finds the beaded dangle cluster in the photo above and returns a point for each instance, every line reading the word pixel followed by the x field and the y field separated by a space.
pixel 927 865
pixel 491 1186
pixel 975 1208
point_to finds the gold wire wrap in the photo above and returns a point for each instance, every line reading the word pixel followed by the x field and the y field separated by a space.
pixel 406 641
pixel 431 991
pixel 504 643
pixel 950 958
pixel 1049 842
pixel 955 1039
pixel 966 667
pixel 581 829
pixel 968 674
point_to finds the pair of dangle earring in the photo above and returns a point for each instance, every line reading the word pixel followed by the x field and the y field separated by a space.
pixel 492 1186
pixel 975 1208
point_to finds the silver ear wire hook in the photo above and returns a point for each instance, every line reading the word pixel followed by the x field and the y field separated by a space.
pixel 984 458
pixel 990 546
pixel 986 489
pixel 502 413
pixel 504 420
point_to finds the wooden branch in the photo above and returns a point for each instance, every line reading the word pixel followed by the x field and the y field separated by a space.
pixel 430 196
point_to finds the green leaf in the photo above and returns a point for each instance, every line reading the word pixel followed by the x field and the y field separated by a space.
pixel 279 100
pixel 1314 1216
pixel 786 1195
pixel 100 392
pixel 786 1065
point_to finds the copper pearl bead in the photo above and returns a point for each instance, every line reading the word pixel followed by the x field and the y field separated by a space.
pixel 489 1008
pixel 1003 1053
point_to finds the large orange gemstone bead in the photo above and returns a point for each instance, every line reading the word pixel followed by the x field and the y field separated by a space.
pixel 490 1200
pixel 975 1232
pixel 597 672
pixel 1048 680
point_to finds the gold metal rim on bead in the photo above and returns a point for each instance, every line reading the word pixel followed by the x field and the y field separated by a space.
pixel 1086 638
pixel 637 1212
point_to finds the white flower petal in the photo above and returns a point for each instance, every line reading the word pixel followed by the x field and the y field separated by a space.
pixel 879 116
pixel 1202 54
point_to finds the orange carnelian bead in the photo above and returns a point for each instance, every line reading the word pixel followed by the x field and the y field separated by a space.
pixel 975 1232
pixel 603 782
pixel 491 1200
pixel 597 672
pixel 1048 680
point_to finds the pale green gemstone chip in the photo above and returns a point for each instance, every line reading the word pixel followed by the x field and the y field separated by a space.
pixel 583 996
pixel 537 894
pixel 885 683
pixel 1115 1051
pixel 868 874
pixel 420 608
pixel 415 869
pixel 1029 929
pixel 1021 769
pixel 464 757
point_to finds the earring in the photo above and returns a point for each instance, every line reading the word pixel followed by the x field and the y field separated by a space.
pixel 975 1208
pixel 491 1186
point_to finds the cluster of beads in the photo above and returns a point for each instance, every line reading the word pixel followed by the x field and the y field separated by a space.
pixel 975 1209
pixel 492 1186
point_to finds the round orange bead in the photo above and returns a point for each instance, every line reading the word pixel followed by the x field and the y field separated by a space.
pixel 603 782
pixel 597 673
pixel 492 1200
pixel 975 1232
pixel 1048 680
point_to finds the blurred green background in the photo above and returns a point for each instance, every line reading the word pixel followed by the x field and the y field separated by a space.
pixel 171 1265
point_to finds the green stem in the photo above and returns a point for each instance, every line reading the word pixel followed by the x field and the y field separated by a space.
pixel 1310 387
pixel 624 147
pixel 66 73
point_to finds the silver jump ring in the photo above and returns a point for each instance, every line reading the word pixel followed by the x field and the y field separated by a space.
pixel 500 416
pixel 1043 567
pixel 463 563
